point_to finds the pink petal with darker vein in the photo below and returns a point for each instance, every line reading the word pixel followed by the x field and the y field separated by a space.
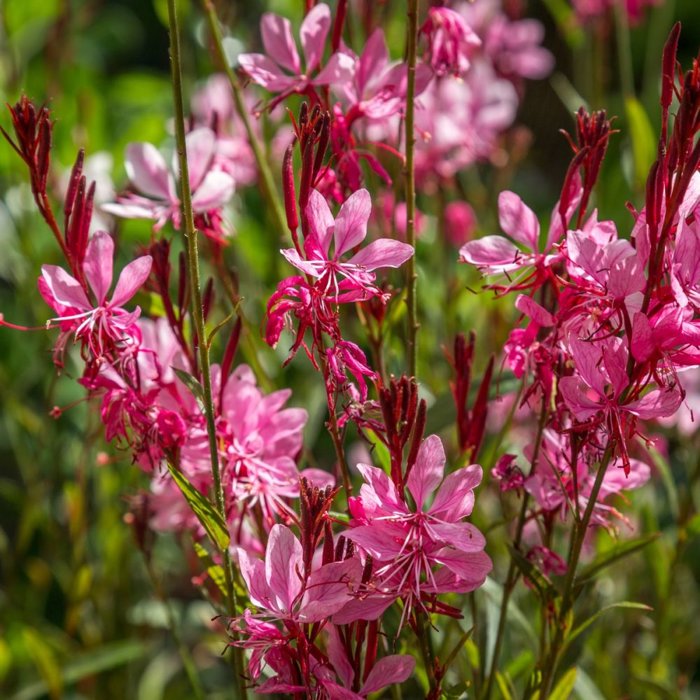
pixel 99 259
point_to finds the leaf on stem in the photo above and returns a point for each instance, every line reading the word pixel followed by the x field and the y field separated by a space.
pixel 211 521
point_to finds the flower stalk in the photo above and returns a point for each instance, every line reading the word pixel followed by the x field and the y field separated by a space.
pixel 266 180
pixel 190 234
pixel 410 176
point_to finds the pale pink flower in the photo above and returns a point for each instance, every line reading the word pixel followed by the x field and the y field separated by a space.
pixel 459 122
pixel 213 107
pixel 99 323
pixel 377 86
pixel 512 46
pixel 345 280
pixel 279 69
pixel 554 485
pixel 499 255
pixel 158 199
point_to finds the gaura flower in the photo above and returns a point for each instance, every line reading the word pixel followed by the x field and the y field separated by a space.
pixel 345 280
pixel 102 322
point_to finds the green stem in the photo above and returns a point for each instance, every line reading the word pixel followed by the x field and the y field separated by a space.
pixel 191 243
pixel 267 183
pixel 512 575
pixel 567 602
pixel 411 270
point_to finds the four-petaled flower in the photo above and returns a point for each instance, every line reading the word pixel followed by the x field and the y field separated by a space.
pixel 347 231
pixel 101 323
pixel 408 541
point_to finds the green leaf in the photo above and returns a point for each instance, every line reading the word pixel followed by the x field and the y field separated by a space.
pixel 215 571
pixel 502 684
pixel 609 557
pixel 210 519
pixel 89 664
pixel 45 660
pixel 642 137
pixel 668 481
pixel 380 452
pixel 192 384
pixel 565 687
pixel 587 623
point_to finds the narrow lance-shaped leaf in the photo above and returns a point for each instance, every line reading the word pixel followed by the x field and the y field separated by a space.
pixel 210 519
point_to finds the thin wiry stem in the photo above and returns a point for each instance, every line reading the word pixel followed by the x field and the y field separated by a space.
pixel 550 662
pixel 267 183
pixel 191 234
pixel 411 271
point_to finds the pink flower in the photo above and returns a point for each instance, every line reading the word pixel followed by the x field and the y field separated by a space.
pixel 347 231
pixel 150 175
pixel 280 585
pixel 213 107
pixel 260 441
pixel 406 543
pixel 389 670
pixel 280 70
pixel 498 254
pixel 554 485
pixel 512 46
pixel 451 40
pixel 459 122
pixel 102 323
pixel 377 86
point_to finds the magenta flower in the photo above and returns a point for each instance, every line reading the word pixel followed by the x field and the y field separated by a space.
pixel 451 40
pixel 408 543
pixel 389 670
pixel 346 231
pixel 100 323
pixel 279 69
pixel 156 183
pixel 377 86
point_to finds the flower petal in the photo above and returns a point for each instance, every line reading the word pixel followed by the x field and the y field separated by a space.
pixel 491 254
pixel 382 253
pixel 215 190
pixel 265 72
pixel 279 42
pixel 338 71
pixel 131 279
pixel 64 289
pixel 283 566
pixel 396 668
pixel 99 259
pixel 455 497
pixel 147 171
pixel 427 472
pixel 313 33
pixel 518 220
pixel 351 222
pixel 321 221
pixel 200 145
pixel 329 589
